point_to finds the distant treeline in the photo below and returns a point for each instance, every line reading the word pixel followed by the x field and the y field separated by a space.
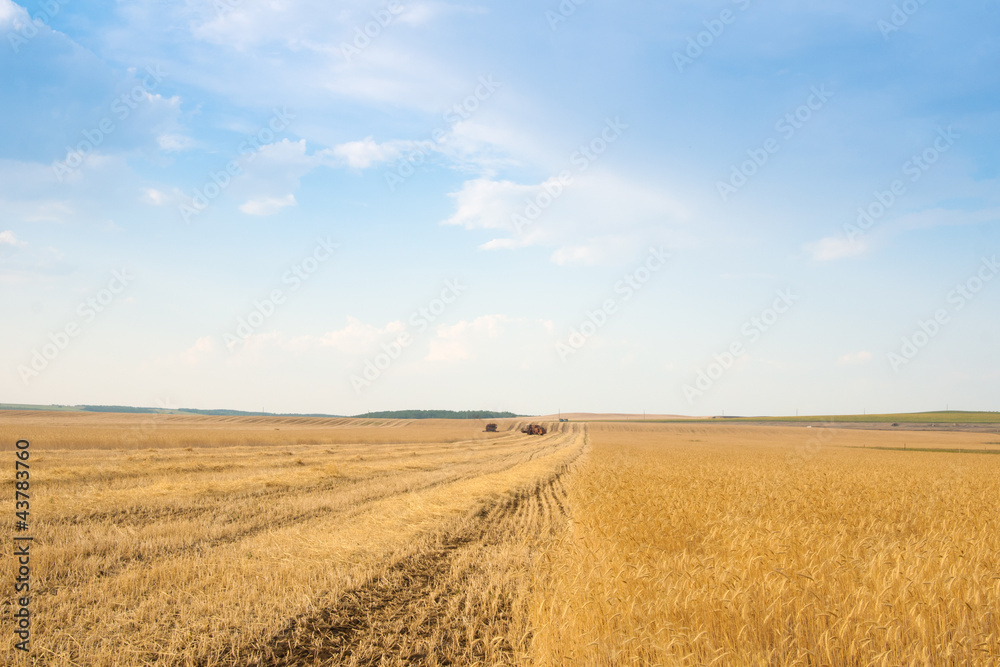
pixel 194 411
pixel 157 411
pixel 389 414
pixel 238 413
pixel 119 408
pixel 438 414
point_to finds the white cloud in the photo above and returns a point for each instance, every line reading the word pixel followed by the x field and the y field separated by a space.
pixel 836 247
pixel 306 24
pixel 33 264
pixel 458 341
pixel 365 153
pixel 309 34
pixel 21 179
pixel 854 358
pixel 464 145
pixel 273 173
pixel 421 12
pixel 258 342
pixel 463 149
pixel 597 217
pixel 155 197
pixel 357 338
pixel 588 255
pixel 10 11
pixel 150 125
pixel 489 338
pixel 48 211
pixel 268 205
pixel 173 143
pixel 487 204
pixel 487 141
pixel 496 340
pixel 840 247
pixel 8 238
pixel 192 356
pixel 201 347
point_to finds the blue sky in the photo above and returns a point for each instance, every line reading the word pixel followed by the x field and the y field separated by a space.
pixel 352 206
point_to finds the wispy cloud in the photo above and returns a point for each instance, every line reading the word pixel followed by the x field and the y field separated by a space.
pixel 268 205
pixel 836 247
pixel 855 358
pixel 595 218
pixel 8 238
pixel 459 341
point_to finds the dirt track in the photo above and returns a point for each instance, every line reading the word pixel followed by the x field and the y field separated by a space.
pixel 441 605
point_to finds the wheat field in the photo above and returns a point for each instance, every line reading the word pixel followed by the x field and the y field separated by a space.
pixel 179 540
pixel 733 545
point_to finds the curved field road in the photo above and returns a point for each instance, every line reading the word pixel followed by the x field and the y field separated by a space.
pixel 379 544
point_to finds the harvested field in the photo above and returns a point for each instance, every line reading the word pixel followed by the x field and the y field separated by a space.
pixel 264 555
pixel 102 430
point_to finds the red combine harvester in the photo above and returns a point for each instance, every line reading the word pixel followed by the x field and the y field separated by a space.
pixel 534 429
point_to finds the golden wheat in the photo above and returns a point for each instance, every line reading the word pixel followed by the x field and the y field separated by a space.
pixel 695 545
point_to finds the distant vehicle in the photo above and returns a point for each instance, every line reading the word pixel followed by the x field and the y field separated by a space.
pixel 534 429
pixel 491 428
pixel 563 420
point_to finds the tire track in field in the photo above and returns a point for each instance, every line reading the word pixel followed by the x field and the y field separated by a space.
pixel 424 608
